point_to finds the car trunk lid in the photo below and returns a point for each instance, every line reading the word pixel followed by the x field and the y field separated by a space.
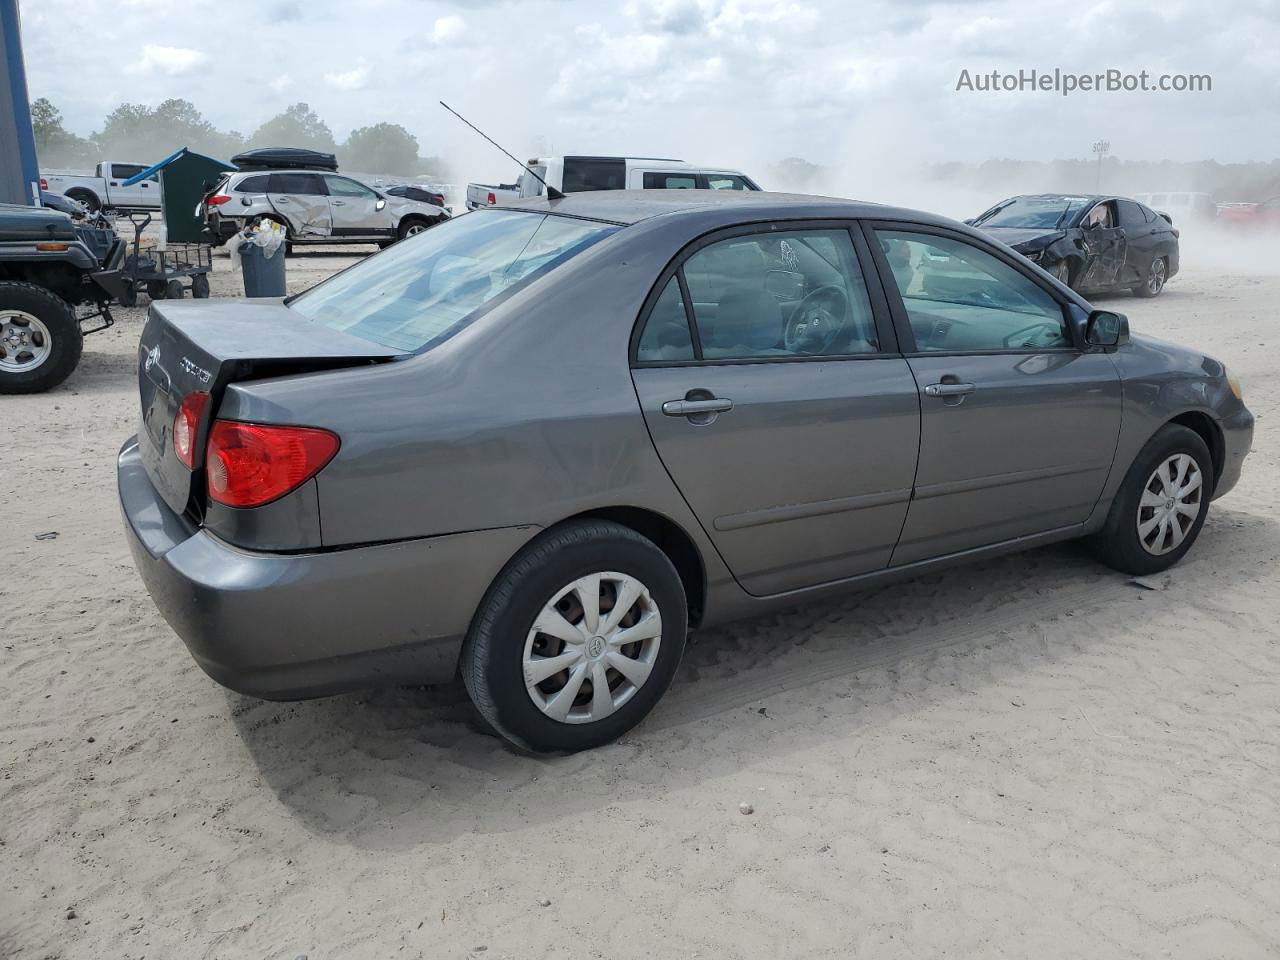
pixel 189 348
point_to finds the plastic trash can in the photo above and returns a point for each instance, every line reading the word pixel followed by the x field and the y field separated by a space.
pixel 263 275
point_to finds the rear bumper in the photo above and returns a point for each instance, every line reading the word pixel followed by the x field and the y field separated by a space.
pixel 292 626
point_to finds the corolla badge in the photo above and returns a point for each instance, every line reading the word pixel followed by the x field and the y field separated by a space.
pixel 153 357
pixel 201 374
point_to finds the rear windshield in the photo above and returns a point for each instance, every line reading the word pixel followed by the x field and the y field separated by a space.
pixel 423 289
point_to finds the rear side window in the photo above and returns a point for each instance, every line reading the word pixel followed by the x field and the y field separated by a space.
pixel 1130 214
pixel 666 335
pixel 123 171
pixel 256 184
pixel 726 181
pixel 584 173
pixel 297 183
pixel 781 294
pixel 423 290
pixel 670 181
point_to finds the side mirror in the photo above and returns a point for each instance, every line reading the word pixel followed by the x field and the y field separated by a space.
pixel 1105 328
pixel 380 204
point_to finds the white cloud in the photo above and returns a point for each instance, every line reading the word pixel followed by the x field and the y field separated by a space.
pixel 167 60
pixel 281 83
pixel 352 79
pixel 450 29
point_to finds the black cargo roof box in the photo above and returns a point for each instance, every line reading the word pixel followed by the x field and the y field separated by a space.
pixel 285 158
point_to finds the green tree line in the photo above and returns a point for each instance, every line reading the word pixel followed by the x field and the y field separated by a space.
pixel 134 131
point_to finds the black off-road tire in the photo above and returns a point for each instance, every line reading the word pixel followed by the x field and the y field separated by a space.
pixel 173 290
pixel 156 289
pixel 1117 544
pixel 200 286
pixel 493 653
pixel 67 341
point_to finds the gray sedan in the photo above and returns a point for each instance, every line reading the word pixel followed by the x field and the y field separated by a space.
pixel 537 444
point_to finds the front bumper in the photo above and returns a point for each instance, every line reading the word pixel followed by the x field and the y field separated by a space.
pixel 292 626
pixel 1237 440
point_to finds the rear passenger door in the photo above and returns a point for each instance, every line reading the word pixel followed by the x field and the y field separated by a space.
pixel 772 387
pixel 302 200
pixel 1142 242
pixel 1018 421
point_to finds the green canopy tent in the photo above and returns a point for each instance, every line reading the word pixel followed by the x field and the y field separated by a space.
pixel 185 178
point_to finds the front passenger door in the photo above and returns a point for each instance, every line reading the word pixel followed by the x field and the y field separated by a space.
pixel 1104 247
pixel 357 211
pixel 1018 426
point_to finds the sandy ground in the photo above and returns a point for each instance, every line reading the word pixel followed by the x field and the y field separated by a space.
pixel 1026 758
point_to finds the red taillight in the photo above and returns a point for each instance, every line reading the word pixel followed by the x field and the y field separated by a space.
pixel 186 425
pixel 249 464
pixel 44 184
pixel 217 200
pixel 492 198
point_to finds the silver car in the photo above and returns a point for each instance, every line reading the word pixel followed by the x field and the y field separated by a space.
pixel 537 444
pixel 317 206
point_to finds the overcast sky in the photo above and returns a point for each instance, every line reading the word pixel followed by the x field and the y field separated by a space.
pixel 737 82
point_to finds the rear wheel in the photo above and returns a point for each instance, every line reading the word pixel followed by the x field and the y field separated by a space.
pixel 156 289
pixel 87 197
pixel 173 290
pixel 200 286
pixel 1157 274
pixel 40 339
pixel 1160 508
pixel 577 639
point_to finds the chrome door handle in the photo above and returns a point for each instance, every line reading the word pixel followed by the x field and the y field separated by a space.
pixel 692 408
pixel 338 203
pixel 282 200
pixel 949 389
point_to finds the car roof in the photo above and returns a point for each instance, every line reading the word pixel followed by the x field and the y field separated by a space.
pixel 632 206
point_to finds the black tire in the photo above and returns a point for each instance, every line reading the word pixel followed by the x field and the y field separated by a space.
pixel 200 286
pixel 65 339
pixel 173 290
pixel 1118 544
pixel 493 653
pixel 156 289
pixel 129 295
pixel 1153 283
pixel 411 225
pixel 87 197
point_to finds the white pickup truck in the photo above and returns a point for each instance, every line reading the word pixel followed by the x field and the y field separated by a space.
pixel 577 174
pixel 490 194
pixel 102 190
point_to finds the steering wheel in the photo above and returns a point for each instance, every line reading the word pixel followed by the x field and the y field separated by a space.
pixel 1021 338
pixel 816 321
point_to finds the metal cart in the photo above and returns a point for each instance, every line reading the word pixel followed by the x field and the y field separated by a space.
pixel 164 274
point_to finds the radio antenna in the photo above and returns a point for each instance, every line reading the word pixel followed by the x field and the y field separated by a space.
pixel 552 192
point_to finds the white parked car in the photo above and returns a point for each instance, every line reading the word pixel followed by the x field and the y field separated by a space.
pixel 102 189
pixel 316 206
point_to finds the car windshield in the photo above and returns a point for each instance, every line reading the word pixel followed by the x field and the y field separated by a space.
pixel 1046 213
pixel 422 290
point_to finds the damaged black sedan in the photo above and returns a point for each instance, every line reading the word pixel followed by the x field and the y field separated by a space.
pixel 1093 244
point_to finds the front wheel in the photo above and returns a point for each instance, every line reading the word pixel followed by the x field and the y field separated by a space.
pixel 40 339
pixel 577 639
pixel 411 227
pixel 1159 510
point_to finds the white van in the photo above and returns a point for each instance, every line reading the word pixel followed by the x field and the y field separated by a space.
pixel 578 174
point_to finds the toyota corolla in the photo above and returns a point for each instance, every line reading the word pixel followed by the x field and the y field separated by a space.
pixel 537 444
